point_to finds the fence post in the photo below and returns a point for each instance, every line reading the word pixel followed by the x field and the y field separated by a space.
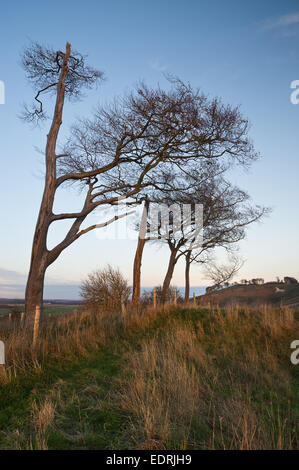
pixel 194 299
pixel 154 298
pixel 36 324
pixel 22 318
pixel 123 307
pixel 174 296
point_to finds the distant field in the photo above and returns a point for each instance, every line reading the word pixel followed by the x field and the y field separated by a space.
pixel 48 309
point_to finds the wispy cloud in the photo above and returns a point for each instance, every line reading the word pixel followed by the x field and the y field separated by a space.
pixel 157 65
pixel 7 276
pixel 283 21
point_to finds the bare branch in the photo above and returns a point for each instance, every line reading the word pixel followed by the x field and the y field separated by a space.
pixel 224 273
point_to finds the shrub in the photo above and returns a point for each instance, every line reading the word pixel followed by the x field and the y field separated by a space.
pixel 106 289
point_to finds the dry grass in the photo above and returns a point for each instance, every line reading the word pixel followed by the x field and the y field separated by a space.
pixel 193 379
pixel 216 384
pixel 42 419
pixel 66 337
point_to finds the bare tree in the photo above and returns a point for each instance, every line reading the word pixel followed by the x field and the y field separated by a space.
pixel 222 274
pixel 148 230
pixel 154 228
pixel 118 152
pixel 226 214
pixel 172 188
pixel 64 74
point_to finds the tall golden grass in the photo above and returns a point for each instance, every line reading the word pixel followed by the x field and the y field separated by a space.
pixel 66 336
pixel 216 385
pixel 217 380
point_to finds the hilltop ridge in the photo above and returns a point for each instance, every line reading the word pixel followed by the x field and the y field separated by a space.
pixel 273 293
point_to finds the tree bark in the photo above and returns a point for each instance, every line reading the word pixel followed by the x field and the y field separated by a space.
pixel 39 255
pixel 187 277
pixel 138 256
pixel 137 271
pixel 171 265
pixel 35 283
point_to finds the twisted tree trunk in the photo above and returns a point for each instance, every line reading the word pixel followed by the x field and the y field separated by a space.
pixel 138 256
pixel 137 271
pixel 169 273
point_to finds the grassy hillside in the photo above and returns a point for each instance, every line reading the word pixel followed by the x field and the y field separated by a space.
pixel 270 293
pixel 178 379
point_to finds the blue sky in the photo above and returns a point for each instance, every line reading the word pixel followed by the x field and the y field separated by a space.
pixel 245 52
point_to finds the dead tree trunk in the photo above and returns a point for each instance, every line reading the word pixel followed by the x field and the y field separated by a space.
pixel 187 276
pixel 40 255
pixel 138 256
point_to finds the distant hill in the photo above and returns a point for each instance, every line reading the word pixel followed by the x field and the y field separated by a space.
pixel 272 293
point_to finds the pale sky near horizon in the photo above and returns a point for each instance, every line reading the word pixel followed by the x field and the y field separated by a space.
pixel 245 52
